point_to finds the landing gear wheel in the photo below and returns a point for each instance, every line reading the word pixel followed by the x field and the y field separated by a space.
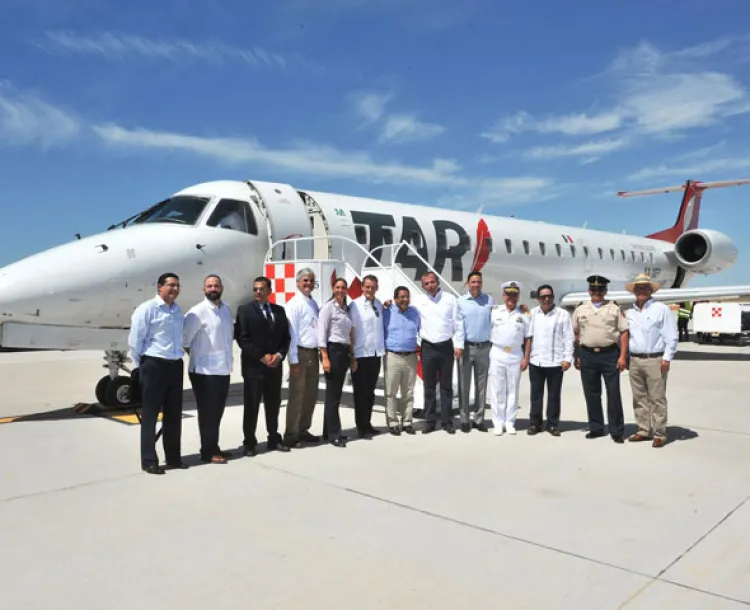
pixel 101 389
pixel 117 393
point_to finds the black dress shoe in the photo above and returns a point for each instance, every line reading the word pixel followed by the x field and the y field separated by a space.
pixel 247 450
pixel 153 469
pixel 554 431
pixel 466 428
pixel 428 428
pixel 279 447
pixel 394 431
pixel 339 442
pixel 410 429
pixel 479 426
pixel 596 434
pixel 177 466
pixel 309 438
pixel 449 428
pixel 532 430
pixel 618 439
pixel 373 431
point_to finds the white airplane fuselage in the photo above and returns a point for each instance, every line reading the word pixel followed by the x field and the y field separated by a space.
pixel 97 281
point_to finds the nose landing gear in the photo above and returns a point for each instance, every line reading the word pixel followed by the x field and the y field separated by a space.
pixel 113 390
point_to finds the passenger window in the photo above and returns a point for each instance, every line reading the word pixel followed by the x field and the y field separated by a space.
pixel 235 215
pixel 601 253
pixel 651 257
pixel 543 248
pixel 623 254
pixel 585 251
pixel 558 247
pixel 573 250
pixel 508 246
pixel 612 253
pixel 525 246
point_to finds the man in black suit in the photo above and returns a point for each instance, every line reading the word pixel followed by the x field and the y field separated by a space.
pixel 262 332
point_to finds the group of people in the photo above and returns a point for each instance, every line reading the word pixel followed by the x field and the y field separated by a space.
pixel 492 345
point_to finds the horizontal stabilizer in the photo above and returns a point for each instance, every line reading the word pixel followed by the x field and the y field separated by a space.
pixel 667 295
pixel 681 187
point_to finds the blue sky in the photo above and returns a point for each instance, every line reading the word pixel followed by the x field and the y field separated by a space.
pixel 530 108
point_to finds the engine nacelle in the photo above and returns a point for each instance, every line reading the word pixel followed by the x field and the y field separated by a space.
pixel 705 251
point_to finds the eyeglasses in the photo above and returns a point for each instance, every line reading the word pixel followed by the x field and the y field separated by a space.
pixel 259 288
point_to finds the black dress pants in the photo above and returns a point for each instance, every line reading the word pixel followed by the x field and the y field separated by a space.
pixel 552 376
pixel 594 366
pixel 161 390
pixel 340 359
pixel 265 385
pixel 364 380
pixel 211 393
pixel 437 363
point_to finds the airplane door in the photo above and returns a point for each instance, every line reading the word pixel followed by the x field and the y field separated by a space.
pixel 287 218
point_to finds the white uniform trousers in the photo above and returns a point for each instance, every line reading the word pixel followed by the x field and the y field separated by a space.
pixel 505 381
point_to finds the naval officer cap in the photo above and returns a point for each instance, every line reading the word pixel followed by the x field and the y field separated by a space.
pixel 597 281
pixel 511 287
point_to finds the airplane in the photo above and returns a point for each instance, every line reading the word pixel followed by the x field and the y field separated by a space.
pixel 80 295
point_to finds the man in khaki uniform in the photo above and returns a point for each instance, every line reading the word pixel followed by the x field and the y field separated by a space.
pixel 653 338
pixel 601 332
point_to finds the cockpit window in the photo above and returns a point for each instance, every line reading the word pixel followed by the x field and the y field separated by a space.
pixel 182 209
pixel 235 215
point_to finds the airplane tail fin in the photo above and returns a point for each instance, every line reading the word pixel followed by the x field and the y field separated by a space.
pixel 687 218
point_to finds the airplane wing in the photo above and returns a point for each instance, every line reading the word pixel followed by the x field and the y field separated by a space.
pixel 667 295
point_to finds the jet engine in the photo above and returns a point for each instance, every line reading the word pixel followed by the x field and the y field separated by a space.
pixel 705 251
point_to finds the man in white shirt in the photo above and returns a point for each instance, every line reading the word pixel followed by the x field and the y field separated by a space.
pixel 508 358
pixel 367 315
pixel 442 341
pixel 208 334
pixel 302 313
pixel 551 354
pixel 653 344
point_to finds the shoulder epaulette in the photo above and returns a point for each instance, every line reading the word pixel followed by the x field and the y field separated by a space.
pixel 616 303
pixel 581 303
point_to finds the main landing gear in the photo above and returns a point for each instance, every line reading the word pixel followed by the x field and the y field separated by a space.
pixel 113 390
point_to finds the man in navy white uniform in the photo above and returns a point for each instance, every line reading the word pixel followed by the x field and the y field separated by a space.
pixel 442 335
pixel 155 341
pixel 508 358
pixel 208 334
pixel 653 344
pixel 369 346
pixel 551 354
pixel 476 309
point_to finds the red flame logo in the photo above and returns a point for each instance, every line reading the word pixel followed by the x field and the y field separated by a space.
pixel 482 250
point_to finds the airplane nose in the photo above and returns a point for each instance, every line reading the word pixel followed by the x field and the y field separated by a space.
pixel 52 287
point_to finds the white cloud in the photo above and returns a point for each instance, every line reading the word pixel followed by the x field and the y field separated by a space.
pixel 117 46
pixel 396 128
pixel 571 125
pixel 25 119
pixel 655 94
pixel 317 160
pixel 587 149
pixel 695 171
pixel 370 105
pixel 407 128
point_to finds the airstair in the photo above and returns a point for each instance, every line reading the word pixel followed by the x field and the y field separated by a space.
pixel 336 256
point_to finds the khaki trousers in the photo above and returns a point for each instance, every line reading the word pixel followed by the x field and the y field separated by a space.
pixel 400 374
pixel 303 395
pixel 649 386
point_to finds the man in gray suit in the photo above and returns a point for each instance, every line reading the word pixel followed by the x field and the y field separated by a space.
pixel 476 307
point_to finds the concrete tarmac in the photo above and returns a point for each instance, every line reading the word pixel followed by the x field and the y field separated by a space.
pixel 412 522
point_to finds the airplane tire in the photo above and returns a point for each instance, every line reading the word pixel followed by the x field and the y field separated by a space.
pixel 117 393
pixel 101 390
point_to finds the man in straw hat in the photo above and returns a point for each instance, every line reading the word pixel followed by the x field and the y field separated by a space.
pixel 653 343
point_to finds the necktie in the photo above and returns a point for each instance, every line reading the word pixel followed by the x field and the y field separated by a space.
pixel 269 317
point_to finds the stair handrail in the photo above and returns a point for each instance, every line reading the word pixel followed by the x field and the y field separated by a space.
pixel 409 246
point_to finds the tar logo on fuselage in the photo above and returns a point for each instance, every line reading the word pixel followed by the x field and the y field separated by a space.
pixel 411 233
